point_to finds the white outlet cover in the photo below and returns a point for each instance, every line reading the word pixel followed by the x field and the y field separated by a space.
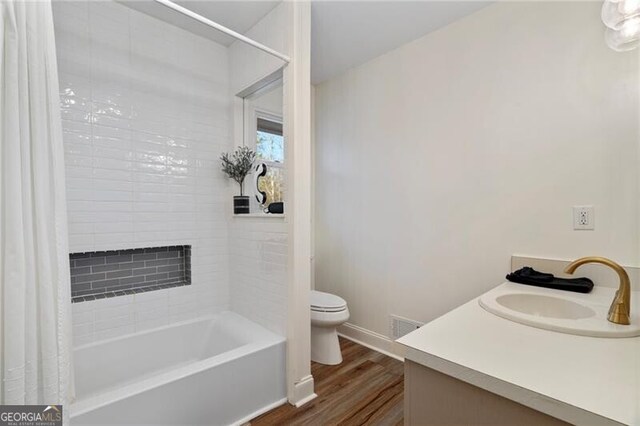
pixel 583 218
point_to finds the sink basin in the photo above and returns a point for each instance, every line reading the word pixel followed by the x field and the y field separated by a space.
pixel 560 311
pixel 545 306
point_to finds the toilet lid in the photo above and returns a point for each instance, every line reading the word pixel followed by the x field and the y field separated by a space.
pixel 326 302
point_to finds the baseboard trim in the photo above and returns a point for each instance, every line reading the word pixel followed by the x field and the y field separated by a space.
pixel 372 340
pixel 259 412
pixel 305 400
pixel 302 392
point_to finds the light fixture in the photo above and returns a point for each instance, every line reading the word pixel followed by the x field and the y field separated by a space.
pixel 626 38
pixel 622 18
pixel 629 7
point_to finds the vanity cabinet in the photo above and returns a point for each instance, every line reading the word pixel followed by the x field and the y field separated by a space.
pixel 433 398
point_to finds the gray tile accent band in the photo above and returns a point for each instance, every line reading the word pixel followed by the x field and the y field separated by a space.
pixel 116 293
pixel 96 275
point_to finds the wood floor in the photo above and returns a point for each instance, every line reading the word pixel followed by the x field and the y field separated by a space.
pixel 366 389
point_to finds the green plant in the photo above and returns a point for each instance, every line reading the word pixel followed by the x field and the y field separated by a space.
pixel 238 165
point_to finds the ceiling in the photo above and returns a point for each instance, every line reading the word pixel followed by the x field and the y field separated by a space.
pixel 344 34
pixel 238 15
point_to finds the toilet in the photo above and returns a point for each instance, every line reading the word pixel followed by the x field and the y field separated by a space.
pixel 328 311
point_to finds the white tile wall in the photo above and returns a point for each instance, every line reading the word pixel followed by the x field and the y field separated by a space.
pixel 258 246
pixel 107 318
pixel 145 118
pixel 258 250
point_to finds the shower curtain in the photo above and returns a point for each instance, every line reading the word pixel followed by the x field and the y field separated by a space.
pixel 35 325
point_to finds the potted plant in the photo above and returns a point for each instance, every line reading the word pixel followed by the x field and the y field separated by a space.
pixel 237 166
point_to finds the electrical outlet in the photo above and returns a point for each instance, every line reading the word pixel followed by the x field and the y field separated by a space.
pixel 583 218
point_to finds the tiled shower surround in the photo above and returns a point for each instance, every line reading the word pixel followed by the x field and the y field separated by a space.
pixel 119 272
pixel 146 115
pixel 146 111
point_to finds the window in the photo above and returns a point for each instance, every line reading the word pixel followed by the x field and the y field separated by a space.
pixel 262 130
pixel 270 143
pixel 270 151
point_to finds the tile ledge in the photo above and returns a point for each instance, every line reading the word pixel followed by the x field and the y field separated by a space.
pixel 260 216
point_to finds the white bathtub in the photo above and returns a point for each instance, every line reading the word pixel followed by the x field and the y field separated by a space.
pixel 215 371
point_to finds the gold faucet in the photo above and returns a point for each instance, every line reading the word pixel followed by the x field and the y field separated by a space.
pixel 620 309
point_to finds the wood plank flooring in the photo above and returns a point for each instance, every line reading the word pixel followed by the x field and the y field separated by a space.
pixel 366 389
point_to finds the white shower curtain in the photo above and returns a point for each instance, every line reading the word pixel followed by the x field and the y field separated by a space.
pixel 35 325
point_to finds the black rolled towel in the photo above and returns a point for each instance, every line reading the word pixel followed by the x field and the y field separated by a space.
pixel 530 276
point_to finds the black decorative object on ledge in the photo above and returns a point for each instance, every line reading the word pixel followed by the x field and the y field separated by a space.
pixel 276 208
pixel 237 166
pixel 260 172
pixel 240 204
pixel 104 274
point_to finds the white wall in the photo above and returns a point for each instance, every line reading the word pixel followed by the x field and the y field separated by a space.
pixel 146 116
pixel 438 160
pixel 258 262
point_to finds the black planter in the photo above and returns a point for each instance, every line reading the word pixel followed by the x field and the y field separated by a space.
pixel 241 204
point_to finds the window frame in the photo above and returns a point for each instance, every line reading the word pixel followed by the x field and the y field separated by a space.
pixel 252 132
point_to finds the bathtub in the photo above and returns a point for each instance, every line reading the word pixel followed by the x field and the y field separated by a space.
pixel 219 370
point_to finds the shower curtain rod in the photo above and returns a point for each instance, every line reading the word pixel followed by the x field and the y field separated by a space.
pixel 210 23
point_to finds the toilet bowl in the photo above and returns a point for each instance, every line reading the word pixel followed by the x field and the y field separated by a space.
pixel 328 311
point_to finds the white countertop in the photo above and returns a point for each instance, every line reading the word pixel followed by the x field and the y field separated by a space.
pixel 582 380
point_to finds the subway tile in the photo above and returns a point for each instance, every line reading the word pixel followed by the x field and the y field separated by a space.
pixel 169 268
pixel 105 268
pixel 112 312
pixel 88 278
pixel 161 262
pixel 81 271
pixel 121 258
pixel 131 265
pixel 90 261
pixel 146 256
pixel 133 280
pixel 117 288
pixel 169 254
pixel 112 323
pixel 155 277
pixel 79 288
pixel 102 284
pixel 82 329
pixel 178 274
pixel 144 271
pixel 120 274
